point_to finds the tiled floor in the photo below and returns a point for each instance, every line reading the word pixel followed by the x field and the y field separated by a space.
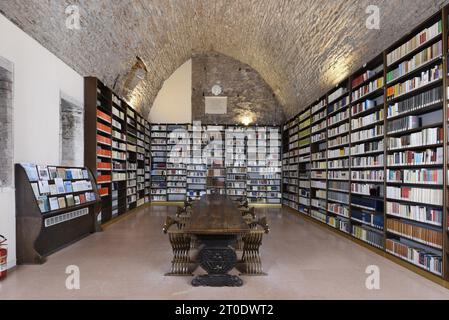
pixel 303 260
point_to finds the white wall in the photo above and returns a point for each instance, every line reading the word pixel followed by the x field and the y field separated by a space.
pixel 39 77
pixel 173 103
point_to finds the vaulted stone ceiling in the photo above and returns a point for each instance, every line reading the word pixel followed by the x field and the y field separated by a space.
pixel 301 48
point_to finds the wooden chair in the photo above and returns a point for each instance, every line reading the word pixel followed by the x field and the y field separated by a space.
pixel 251 247
pixel 181 244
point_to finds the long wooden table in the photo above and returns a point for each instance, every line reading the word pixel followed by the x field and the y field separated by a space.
pixel 216 221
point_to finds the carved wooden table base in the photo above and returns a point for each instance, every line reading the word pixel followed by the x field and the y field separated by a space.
pixel 217 257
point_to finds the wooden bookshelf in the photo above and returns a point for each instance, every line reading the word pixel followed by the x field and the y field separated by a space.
pixel 392 180
pixel 318 157
pixel 236 162
pixel 290 163
pixel 303 161
pixel 98 140
pixel 178 145
pixel 197 167
pixel 193 160
pixel 158 163
pixel 116 146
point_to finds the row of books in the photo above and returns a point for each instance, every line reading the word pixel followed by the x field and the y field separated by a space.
pixel 418 213
pixel 338 185
pixel 414 232
pixel 367 105
pixel 368 74
pixel 417 256
pixel 338 164
pixel 426 77
pixel 367 120
pixel 416 102
pixel 336 175
pixel 367 175
pixel 338 130
pixel 405 123
pixel 362 135
pixel 369 161
pixel 369 236
pixel 337 118
pixel 337 94
pixel 335 153
pixel 367 147
pixel 373 220
pixel 340 104
pixel 425 137
pixel 418 40
pixel 367 189
pixel 419 59
pixel 421 195
pixel 416 176
pixel 317 107
pixel 338 209
pixel 338 197
pixel 339 141
pixel 367 89
pixel 408 158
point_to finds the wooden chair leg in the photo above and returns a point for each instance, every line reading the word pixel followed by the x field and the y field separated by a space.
pixel 181 262
pixel 251 254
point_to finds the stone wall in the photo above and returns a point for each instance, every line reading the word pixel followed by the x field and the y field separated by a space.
pixel 71 121
pixel 248 94
pixel 6 124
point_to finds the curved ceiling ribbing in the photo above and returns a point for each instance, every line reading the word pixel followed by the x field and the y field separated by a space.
pixel 301 48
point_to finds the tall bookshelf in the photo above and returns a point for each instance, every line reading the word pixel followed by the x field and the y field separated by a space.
pixel 318 157
pixel 338 147
pixel 303 161
pixel 197 166
pixel 394 165
pixel 119 149
pixel 147 140
pixel 193 160
pixel 131 155
pixel 273 165
pixel 415 148
pixel 367 153
pixel 178 158
pixel 159 163
pixel 215 155
pixel 98 140
pixel 290 163
pixel 236 162
pixel 114 148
